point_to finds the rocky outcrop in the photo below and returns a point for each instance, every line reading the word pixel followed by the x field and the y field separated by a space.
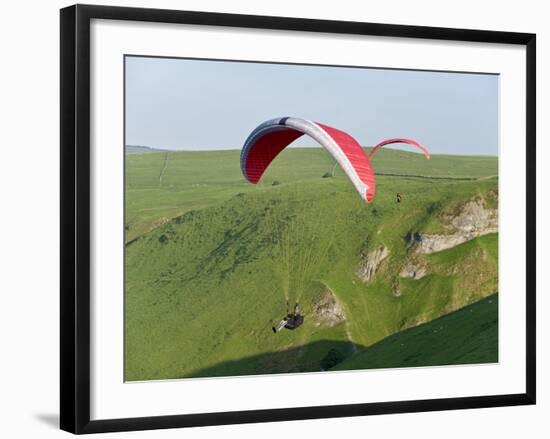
pixel 473 220
pixel 370 262
pixel 413 270
pixel 396 287
pixel 327 311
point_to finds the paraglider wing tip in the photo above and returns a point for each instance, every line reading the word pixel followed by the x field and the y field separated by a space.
pixel 369 195
pixel 251 179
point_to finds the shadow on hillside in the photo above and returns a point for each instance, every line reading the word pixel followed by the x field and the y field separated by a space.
pixel 311 357
pixel 466 336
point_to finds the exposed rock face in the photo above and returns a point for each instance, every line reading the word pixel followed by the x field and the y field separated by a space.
pixel 473 220
pixel 369 264
pixel 327 310
pixel 413 270
pixel 396 288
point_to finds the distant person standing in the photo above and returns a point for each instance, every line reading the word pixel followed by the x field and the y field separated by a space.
pixel 398 197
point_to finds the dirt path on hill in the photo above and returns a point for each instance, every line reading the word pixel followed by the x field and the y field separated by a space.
pixel 165 165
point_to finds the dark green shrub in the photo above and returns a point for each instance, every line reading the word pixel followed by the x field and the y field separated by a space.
pixel 332 358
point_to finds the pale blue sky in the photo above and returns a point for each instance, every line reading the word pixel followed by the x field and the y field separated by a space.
pixel 205 105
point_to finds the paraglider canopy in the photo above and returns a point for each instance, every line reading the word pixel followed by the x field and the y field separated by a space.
pixel 400 140
pixel 268 139
pixel 271 137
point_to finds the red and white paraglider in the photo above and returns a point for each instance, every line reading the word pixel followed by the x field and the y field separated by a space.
pixel 271 137
pixel 407 141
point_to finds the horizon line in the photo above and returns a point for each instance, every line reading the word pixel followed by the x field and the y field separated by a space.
pixel 166 149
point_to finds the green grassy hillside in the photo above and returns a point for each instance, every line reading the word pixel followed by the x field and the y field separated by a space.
pixel 466 336
pixel 212 259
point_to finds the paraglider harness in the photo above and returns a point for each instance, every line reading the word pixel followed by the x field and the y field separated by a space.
pixel 292 320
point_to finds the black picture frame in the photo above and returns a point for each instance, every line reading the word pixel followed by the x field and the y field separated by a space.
pixel 75 217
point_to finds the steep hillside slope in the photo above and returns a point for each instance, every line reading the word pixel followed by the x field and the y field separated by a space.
pixel 466 336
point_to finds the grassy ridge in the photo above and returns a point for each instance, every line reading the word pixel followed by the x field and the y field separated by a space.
pixel 195 180
pixel 203 288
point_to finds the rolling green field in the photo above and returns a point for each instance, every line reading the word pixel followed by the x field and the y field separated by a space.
pixel 211 261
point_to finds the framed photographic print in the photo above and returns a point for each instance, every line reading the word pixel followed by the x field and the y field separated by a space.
pixel 274 218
